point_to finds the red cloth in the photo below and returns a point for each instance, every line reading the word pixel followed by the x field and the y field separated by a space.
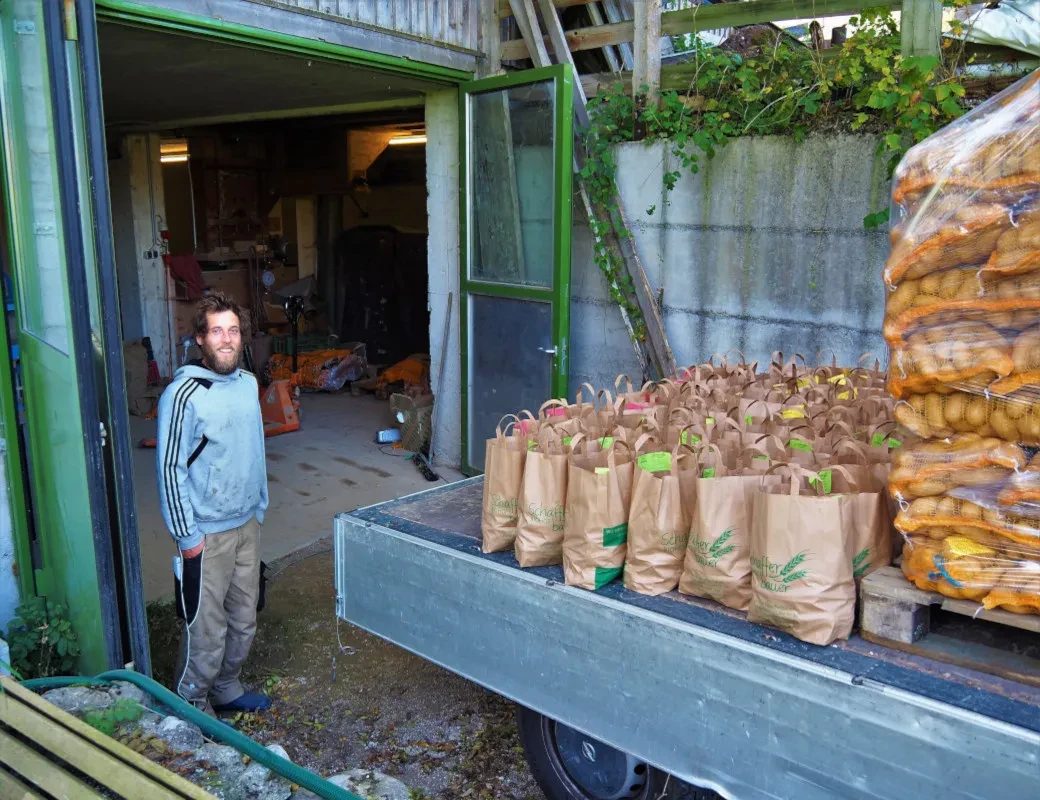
pixel 187 270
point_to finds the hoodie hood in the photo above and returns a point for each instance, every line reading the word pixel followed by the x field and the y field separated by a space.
pixel 195 369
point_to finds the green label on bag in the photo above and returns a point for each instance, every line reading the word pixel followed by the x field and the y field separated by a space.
pixel 606 442
pixel 825 476
pixel 688 438
pixel 798 444
pixel 761 458
pixel 567 441
pixel 605 575
pixel 615 536
pixel 709 421
pixel 894 442
pixel 655 462
pixel 748 419
pixel 877 440
pixel 602 470
pixel 708 473
pixel 532 445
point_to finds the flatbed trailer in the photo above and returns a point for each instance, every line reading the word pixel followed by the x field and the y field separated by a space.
pixel 618 689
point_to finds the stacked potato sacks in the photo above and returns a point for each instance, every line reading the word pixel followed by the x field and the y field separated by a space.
pixel 963 323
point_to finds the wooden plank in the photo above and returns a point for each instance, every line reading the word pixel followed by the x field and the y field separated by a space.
pixel 647 41
pixel 705 18
pixel 107 746
pixel 40 770
pixel 657 354
pixel 616 13
pixel 527 20
pixel 13 789
pixel 609 53
pixel 920 27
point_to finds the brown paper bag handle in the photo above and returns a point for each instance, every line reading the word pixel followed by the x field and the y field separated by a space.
pixel 579 399
pixel 765 406
pixel 834 358
pixel 498 428
pixel 849 443
pixel 891 424
pixel 628 383
pixel 720 461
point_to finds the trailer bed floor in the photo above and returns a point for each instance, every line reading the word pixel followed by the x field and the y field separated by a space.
pixel 450 516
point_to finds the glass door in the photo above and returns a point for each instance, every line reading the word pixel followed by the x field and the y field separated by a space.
pixel 517 165
pixel 66 330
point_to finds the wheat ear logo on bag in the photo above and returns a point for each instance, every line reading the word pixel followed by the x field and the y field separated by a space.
pixel 708 553
pixel 861 563
pixel 776 577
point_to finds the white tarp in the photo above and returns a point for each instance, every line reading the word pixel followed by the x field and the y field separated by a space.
pixel 1014 24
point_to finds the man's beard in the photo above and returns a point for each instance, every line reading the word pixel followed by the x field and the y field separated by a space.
pixel 221 363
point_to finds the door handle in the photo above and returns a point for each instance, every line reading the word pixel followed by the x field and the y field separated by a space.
pixel 549 351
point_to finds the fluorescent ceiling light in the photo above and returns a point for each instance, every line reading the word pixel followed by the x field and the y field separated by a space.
pixel 418 138
pixel 174 159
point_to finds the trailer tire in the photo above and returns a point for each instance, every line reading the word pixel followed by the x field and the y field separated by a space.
pixel 561 761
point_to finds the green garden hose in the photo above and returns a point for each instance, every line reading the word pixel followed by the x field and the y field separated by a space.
pixel 213 728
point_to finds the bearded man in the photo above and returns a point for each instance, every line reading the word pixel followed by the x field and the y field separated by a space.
pixel 213 492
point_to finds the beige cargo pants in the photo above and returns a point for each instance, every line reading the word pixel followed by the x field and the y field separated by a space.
pixel 219 591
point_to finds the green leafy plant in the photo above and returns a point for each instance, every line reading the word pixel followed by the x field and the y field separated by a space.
pixel 109 720
pixel 784 89
pixel 42 640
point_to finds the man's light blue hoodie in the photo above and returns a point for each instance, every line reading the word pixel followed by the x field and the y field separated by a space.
pixel 210 453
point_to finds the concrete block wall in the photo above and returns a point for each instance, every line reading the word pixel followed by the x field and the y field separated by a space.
pixel 764 249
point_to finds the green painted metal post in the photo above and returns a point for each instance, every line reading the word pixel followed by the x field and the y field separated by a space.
pixel 920 27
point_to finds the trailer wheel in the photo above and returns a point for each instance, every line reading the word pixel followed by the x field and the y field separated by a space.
pixel 568 765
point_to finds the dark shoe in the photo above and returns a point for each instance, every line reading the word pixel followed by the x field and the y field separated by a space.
pixel 248 703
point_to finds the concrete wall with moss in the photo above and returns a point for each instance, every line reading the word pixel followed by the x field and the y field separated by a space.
pixel 764 249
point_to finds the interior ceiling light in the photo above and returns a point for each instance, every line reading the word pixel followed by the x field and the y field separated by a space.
pixel 173 151
pixel 413 138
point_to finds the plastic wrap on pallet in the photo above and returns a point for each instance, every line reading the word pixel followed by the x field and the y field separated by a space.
pixel 962 319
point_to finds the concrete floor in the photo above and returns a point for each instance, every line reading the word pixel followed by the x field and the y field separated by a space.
pixel 332 464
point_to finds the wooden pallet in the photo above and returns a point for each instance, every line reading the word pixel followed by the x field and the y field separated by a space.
pixel 69 759
pixel 895 613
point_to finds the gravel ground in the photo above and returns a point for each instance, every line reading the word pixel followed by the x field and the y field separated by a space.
pixel 368 705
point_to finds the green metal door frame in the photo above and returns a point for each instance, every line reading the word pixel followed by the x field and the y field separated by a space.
pixel 127 12
pixel 562 76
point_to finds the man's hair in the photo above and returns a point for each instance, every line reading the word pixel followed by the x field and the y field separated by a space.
pixel 213 303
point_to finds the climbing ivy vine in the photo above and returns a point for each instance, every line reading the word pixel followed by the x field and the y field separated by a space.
pixel 865 85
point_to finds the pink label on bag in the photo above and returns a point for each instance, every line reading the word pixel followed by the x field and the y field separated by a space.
pixel 523 425
pixel 636 407
pixel 556 411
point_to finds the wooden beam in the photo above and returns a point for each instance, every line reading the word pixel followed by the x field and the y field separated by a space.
pixel 596 17
pixel 527 19
pixel 920 27
pixel 655 355
pixel 13 789
pixel 647 69
pixel 43 772
pixel 705 18
pixel 491 41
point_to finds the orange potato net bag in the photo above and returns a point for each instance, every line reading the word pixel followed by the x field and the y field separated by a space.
pixel 930 468
pixel 1013 418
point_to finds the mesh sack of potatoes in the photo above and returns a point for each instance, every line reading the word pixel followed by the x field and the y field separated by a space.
pixel 967 519
pixel 960 355
pixel 987 154
pixel 928 468
pixel 979 566
pixel 1018 249
pixel 1023 486
pixel 1014 417
pixel 961 295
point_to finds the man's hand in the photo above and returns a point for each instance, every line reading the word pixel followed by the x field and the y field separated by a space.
pixel 194 551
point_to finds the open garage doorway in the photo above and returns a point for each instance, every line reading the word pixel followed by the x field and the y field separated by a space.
pixel 269 177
